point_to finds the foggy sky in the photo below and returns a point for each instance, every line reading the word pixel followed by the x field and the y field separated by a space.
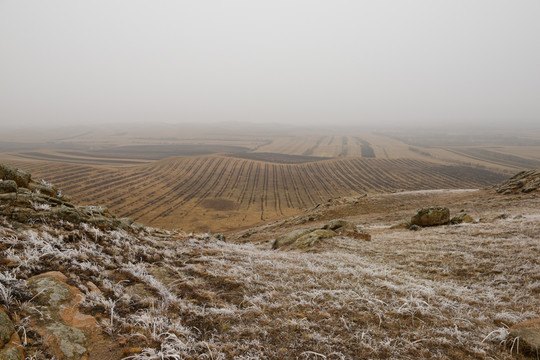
pixel 285 61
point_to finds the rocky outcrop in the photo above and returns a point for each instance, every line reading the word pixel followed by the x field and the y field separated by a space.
pixel 347 228
pixel 8 186
pixel 25 201
pixel 528 333
pixel 340 226
pixel 10 343
pixel 524 182
pixel 68 333
pixel 21 177
pixel 306 238
pixel 289 238
pixel 431 216
pixel 312 238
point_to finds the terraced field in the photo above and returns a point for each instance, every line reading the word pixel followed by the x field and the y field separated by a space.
pixel 222 193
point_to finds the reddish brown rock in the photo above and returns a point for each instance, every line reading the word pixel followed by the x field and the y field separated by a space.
pixel 68 333
pixel 10 343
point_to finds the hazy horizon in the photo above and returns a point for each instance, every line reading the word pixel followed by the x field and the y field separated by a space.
pixel 344 63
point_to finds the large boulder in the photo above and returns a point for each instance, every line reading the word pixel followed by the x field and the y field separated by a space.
pixel 289 238
pixel 528 333
pixel 431 216
pixel 312 238
pixel 22 178
pixel 68 334
pixel 10 343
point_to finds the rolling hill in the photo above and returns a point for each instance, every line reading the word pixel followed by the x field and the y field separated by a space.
pixel 223 193
pixel 76 282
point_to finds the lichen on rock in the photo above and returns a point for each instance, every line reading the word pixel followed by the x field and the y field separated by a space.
pixel 10 343
pixel 68 333
pixel 431 216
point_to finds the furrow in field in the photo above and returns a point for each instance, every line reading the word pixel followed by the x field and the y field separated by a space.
pixel 275 185
pixel 191 191
pixel 179 190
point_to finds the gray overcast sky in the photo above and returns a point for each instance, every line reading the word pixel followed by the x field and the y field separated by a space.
pixel 312 61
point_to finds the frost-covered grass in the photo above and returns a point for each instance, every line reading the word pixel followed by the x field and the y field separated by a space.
pixel 37 206
pixel 445 292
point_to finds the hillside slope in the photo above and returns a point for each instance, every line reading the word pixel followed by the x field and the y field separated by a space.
pixel 142 293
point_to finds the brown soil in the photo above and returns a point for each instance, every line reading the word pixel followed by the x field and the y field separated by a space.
pixel 220 193
pixel 219 204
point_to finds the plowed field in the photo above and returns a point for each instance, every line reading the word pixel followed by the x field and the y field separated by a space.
pixel 221 193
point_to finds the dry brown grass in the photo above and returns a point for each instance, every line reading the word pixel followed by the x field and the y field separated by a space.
pixel 446 292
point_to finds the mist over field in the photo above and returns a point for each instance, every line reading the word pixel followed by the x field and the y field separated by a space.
pixel 417 62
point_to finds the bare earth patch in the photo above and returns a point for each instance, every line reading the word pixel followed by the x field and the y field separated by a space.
pixel 219 204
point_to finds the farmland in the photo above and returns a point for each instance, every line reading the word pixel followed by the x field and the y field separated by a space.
pixel 221 193
pixel 224 178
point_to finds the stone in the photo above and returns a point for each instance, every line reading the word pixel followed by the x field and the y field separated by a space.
pixel 6 329
pixel 220 236
pixel 42 189
pixel 68 333
pixel 8 186
pixel 67 214
pixel 22 178
pixel 340 225
pixel 460 218
pixel 289 238
pixel 532 185
pixel 528 333
pixel 312 238
pixel 10 343
pixel 22 215
pixel 9 197
pixel 431 216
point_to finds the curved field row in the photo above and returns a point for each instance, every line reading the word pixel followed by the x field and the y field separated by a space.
pixel 221 193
